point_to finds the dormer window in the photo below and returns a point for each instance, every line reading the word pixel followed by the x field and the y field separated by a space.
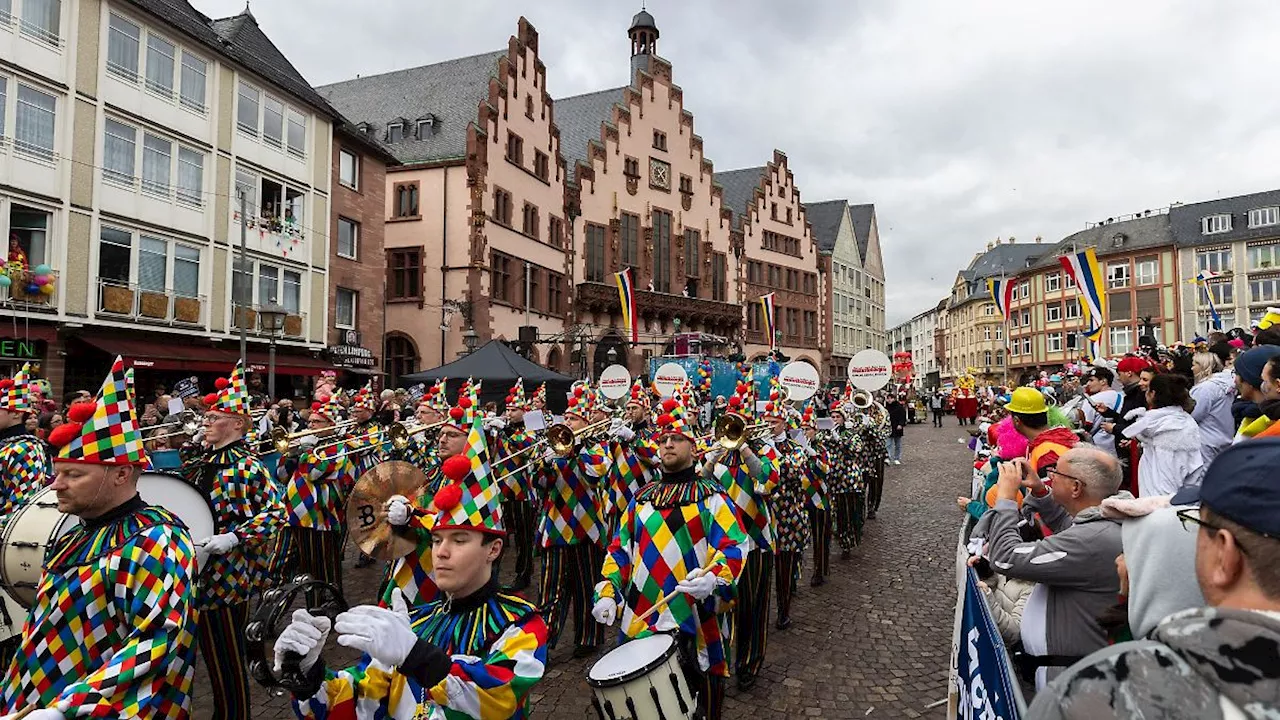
pixel 1264 217
pixel 395 132
pixel 426 126
pixel 1213 224
pixel 365 129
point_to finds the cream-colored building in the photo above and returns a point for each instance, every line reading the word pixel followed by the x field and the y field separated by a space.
pixel 855 303
pixel 130 127
pixel 973 327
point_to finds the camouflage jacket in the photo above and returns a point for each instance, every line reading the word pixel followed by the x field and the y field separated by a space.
pixel 1205 663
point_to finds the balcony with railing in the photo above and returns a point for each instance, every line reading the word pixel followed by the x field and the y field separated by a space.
pixel 28 290
pixel 295 324
pixel 147 305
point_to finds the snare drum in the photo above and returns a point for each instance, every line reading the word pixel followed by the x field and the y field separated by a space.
pixel 31 529
pixel 641 680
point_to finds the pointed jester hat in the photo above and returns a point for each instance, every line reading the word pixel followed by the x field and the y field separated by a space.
pixel 232 396
pixel 15 392
pixel 516 398
pixel 103 432
pixel 471 500
pixel 581 401
pixel 674 416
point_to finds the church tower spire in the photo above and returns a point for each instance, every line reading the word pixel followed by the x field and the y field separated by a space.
pixel 644 41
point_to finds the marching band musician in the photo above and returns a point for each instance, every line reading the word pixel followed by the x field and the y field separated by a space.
pixel 635 456
pixel 368 431
pixel 818 474
pixel 877 437
pixel 24 462
pixel 789 499
pixel 235 562
pixel 518 497
pixel 432 408
pixel 473 653
pixel 749 476
pixel 843 447
pixel 111 633
pixel 680 534
pixel 317 482
pixel 572 530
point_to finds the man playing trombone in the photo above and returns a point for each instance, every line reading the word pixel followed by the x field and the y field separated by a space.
pixel 430 414
pixel 513 445
pixel 676 558
pixel 635 456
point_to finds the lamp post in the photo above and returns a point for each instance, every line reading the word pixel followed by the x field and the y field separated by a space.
pixel 613 355
pixel 272 316
pixel 470 338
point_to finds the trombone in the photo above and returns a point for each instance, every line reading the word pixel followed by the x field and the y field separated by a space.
pixel 283 441
pixel 400 433
pixel 187 422
pixel 732 432
pixel 563 439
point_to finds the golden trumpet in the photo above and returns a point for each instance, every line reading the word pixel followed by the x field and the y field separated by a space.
pixel 732 431
pixel 283 441
pixel 563 439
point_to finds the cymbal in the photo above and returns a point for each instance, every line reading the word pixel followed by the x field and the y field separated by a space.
pixel 367 518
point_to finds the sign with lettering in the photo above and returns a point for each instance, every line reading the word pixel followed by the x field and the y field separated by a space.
pixel 22 349
pixel 187 387
pixel 870 370
pixel 669 377
pixel 800 379
pixel 615 381
pixel 352 356
pixel 985 687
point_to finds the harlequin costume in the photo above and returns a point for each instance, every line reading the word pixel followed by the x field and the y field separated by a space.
pixel 477 656
pixel 819 507
pixel 317 482
pixel 749 479
pixel 24 462
pixel 421 450
pixel 790 515
pixel 875 436
pixel 572 532
pixel 675 525
pixel 844 446
pixel 112 630
pixel 635 462
pixel 518 496
pixel 247 504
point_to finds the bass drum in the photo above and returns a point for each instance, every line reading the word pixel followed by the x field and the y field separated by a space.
pixel 176 495
pixel 31 529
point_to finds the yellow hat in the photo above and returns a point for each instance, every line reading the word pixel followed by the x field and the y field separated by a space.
pixel 1026 401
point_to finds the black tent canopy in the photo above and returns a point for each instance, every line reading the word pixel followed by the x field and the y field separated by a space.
pixel 498 367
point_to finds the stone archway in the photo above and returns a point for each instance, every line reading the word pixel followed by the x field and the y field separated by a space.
pixel 401 357
pixel 611 340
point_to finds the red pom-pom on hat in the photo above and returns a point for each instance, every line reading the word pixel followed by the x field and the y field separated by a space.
pixel 211 399
pixel 577 392
pixel 511 399
pixel 456 413
pixel 769 407
pixel 6 383
pixel 464 403
pixel 669 404
pixel 447 497
pixel 81 412
pixel 221 383
pixel 665 419
pixel 456 467
pixel 315 406
pixel 773 395
pixel 65 433
pixel 735 401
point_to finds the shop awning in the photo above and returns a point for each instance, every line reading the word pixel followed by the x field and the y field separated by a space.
pixel 198 358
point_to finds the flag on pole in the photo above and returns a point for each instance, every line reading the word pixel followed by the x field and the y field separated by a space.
pixel 1002 293
pixel 1084 270
pixel 627 297
pixel 1201 281
pixel 766 302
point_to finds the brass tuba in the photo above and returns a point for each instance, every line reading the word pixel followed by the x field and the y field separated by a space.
pixel 862 399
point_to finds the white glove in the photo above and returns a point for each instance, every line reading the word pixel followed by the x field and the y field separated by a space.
pixel 398 510
pixel 619 430
pixel 605 611
pixel 384 635
pixel 494 423
pixel 48 714
pixel 305 635
pixel 699 583
pixel 219 544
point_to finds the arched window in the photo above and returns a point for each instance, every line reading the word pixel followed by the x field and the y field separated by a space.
pixel 554 360
pixel 402 358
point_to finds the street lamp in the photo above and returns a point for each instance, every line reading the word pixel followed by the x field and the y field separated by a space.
pixel 613 355
pixel 272 317
pixel 470 338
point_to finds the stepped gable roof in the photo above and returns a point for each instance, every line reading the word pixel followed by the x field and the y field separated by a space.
pixel 825 218
pixel 238 38
pixel 450 92
pixel 579 118
pixel 739 189
pixel 1138 233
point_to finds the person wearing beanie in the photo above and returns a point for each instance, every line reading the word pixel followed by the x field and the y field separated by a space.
pixel 679 535
pixel 112 630
pixel 317 481
pixel 473 652
pixel 24 459
pixel 235 562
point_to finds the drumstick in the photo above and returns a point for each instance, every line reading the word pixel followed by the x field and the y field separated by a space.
pixel 662 601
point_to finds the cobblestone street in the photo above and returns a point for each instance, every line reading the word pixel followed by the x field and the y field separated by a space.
pixel 873 643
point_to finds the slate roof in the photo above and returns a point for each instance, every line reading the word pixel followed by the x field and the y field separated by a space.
pixel 1005 259
pixel 1185 219
pixel 579 118
pixel 237 38
pixel 1145 232
pixel 825 218
pixel 451 91
pixel 739 188
pixel 861 216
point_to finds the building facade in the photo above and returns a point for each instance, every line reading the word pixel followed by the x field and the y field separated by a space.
pixel 855 299
pixel 924 351
pixel 974 329
pixel 643 200
pixel 1235 243
pixel 131 127
pixel 780 256
pixel 869 283
pixel 476 241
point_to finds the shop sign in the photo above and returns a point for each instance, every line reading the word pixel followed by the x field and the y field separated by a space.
pixel 351 356
pixel 22 349
pixel 187 387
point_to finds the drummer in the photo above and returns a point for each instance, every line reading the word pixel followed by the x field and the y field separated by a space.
pixel 24 463
pixel 234 563
pixel 112 631
pixel 474 653
pixel 317 483
pixel 661 549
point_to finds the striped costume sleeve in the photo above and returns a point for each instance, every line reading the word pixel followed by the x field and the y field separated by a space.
pixel 616 569
pixel 149 674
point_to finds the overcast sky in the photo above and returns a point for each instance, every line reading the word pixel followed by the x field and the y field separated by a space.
pixel 961 121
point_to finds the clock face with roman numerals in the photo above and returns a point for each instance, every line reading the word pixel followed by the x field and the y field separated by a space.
pixel 659 174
